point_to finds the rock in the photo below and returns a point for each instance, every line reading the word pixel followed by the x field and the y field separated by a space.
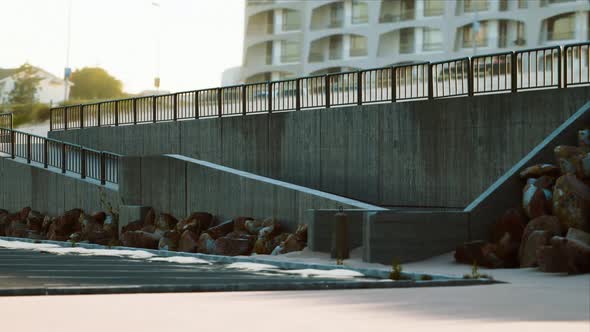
pixel 571 203
pixel 507 251
pixel 277 250
pixel 111 226
pixel 166 222
pixel 263 246
pixel 188 241
pixel 569 158
pixel 54 235
pixel 253 226
pixel 206 244
pixel 240 223
pixel 539 170
pixel 233 246
pixel 99 217
pixel 511 222
pixel 543 223
pixel 479 252
pixel 292 243
pixel 150 218
pixel 221 229
pixel 584 139
pixel 169 241
pixel 140 239
pixel 577 253
pixel 68 222
pixel 150 229
pixel 528 248
pixel 197 222
pixel 24 213
pixel 551 259
pixel 301 233
pixel 47 221
pixel 536 201
pixel 35 221
pixel 17 228
pixel 277 240
pixel 578 235
pixel 132 226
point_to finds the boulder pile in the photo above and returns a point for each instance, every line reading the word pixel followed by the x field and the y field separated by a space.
pixel 200 232
pixel 551 228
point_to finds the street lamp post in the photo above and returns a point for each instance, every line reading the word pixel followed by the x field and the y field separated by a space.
pixel 67 70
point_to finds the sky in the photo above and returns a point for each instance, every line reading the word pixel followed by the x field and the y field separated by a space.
pixel 198 39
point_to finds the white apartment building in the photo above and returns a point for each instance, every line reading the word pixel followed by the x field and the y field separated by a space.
pixel 291 38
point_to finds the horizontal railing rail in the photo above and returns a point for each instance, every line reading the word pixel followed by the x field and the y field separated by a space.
pixel 88 163
pixel 539 68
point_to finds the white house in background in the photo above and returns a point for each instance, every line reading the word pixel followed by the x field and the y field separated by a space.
pixel 49 91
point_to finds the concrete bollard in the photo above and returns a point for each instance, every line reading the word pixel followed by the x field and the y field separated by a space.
pixel 340 248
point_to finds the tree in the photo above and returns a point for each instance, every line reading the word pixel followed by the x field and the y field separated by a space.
pixel 25 85
pixel 94 83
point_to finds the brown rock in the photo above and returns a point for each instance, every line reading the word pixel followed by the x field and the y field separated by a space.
pixel 24 213
pixel 551 259
pixel 571 203
pixel 206 244
pixel 53 235
pixel 221 229
pixel 166 222
pixel 578 235
pixel 240 223
pixel 150 217
pixel 512 222
pixel 301 233
pixel 17 228
pixel 170 241
pixel 140 239
pixel 569 158
pixel 577 253
pixel 478 252
pixel 253 226
pixel 507 251
pixel 111 226
pixel 292 243
pixel 539 170
pixel 536 201
pixel 99 217
pixel 35 221
pixel 188 242
pixel 263 246
pixel 233 246
pixel 132 226
pixel 68 222
pixel 528 248
pixel 584 139
pixel 543 223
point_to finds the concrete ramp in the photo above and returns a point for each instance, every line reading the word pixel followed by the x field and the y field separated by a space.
pixel 181 185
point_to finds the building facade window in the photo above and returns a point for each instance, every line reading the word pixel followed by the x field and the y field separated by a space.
pixel 475 37
pixel 358 46
pixel 291 20
pixel 289 51
pixel 397 10
pixel 470 6
pixel 335 47
pixel 406 40
pixel 336 15
pixel 360 12
pixel 522 4
pixel 432 40
pixel 434 7
pixel 561 27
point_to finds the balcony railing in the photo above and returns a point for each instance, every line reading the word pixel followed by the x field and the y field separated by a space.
pixel 540 68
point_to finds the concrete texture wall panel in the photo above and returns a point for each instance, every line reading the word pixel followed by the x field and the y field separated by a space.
pixel 438 153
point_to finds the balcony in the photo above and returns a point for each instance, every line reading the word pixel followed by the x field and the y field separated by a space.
pixel 397 17
pixel 560 35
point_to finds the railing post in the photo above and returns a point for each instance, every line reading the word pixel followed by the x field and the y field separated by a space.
pixel 196 104
pixel 98 114
pixel 394 85
pixel 12 144
pixel 63 157
pixel 359 87
pixel 116 113
pixel 134 111
pixel 45 153
pixel 430 81
pixel 469 78
pixel 269 84
pixel 82 117
pixel 65 118
pixel 219 102
pixel 565 66
pixel 513 72
pixel 327 90
pixel 564 70
pixel 244 102
pixel 11 121
pixel 51 111
pixel 82 163
pixel 175 106
pixel 103 170
pixel 298 94
pixel 28 149
pixel 154 109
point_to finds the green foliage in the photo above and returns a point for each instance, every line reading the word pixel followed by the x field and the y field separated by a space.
pixel 94 83
pixel 25 86
pixel 475 273
pixel 27 113
pixel 396 272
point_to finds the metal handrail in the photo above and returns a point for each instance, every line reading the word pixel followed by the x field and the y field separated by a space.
pixel 314 91
pixel 68 157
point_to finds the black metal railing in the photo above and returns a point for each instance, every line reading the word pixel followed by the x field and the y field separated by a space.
pixel 88 163
pixel 6 120
pixel 539 68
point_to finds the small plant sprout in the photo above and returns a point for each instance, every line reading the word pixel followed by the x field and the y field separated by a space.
pixel 396 271
pixel 475 273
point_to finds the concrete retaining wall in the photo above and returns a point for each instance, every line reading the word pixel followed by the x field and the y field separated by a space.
pixel 424 153
pixel 48 191
pixel 181 185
